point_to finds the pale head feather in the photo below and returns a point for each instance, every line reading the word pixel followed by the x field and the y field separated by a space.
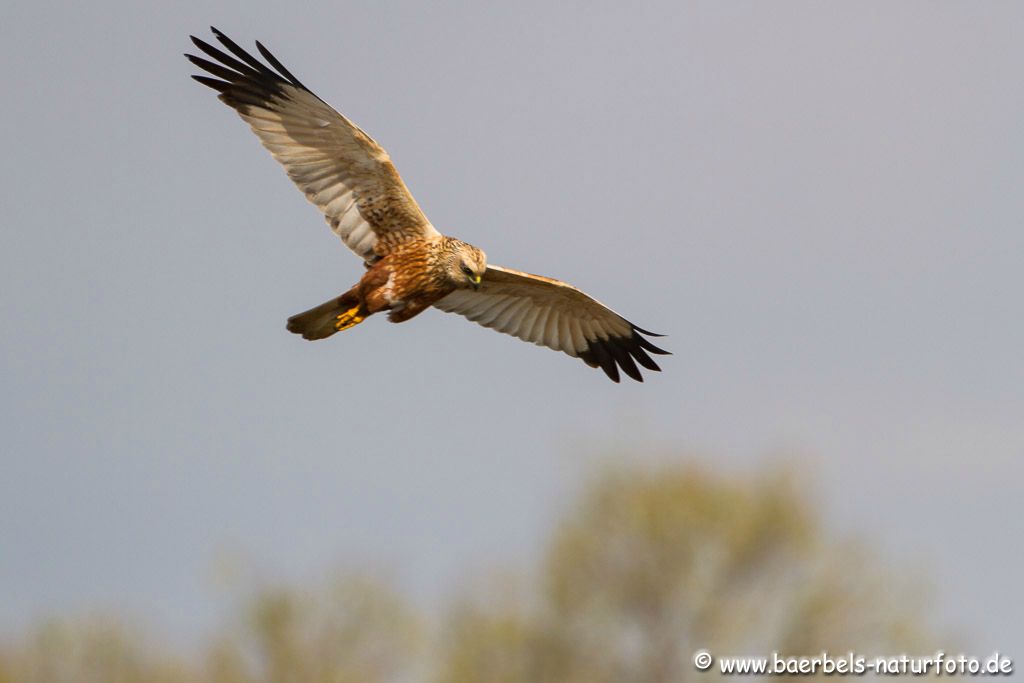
pixel 465 264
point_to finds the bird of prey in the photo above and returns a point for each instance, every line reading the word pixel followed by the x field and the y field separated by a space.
pixel 410 266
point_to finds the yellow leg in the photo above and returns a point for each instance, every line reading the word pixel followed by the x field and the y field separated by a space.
pixel 349 318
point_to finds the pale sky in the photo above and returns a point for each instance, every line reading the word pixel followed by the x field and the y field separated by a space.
pixel 819 203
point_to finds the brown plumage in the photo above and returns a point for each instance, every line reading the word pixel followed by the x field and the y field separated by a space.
pixel 408 279
pixel 410 265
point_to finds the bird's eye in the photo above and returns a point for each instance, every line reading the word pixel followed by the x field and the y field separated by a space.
pixel 467 270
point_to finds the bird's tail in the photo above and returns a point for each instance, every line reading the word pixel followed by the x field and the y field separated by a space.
pixel 329 317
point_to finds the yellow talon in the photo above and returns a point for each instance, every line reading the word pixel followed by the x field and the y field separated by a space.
pixel 349 318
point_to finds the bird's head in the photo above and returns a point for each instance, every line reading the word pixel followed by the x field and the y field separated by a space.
pixel 466 265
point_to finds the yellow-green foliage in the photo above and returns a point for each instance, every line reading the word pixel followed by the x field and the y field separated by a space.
pixel 96 650
pixel 648 566
pixel 654 564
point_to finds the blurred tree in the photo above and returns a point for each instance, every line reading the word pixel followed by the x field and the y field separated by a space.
pixel 96 650
pixel 354 630
pixel 648 567
pixel 654 565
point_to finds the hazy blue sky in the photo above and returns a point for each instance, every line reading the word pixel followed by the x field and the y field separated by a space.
pixel 820 203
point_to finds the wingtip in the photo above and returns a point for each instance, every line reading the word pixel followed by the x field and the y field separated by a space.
pixel 649 346
pixel 647 332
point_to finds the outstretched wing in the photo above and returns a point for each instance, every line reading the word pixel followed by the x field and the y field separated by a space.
pixel 554 314
pixel 340 168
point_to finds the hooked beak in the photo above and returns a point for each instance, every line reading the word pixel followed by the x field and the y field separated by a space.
pixel 476 281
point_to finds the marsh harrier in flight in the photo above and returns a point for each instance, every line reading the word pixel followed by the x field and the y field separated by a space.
pixel 410 266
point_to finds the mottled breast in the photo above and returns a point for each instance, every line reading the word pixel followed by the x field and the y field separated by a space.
pixel 414 273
